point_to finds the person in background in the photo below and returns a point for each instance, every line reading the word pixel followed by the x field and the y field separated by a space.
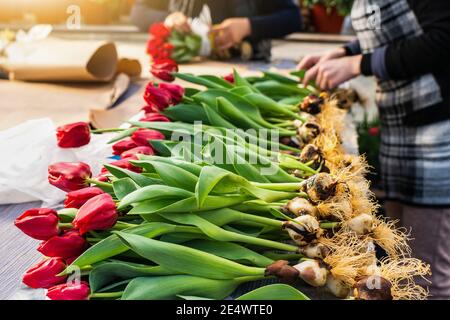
pixel 257 21
pixel 405 44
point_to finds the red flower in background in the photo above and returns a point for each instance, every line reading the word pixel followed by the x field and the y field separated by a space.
pixel 163 69
pixel 374 131
pixel 123 145
pixel 98 213
pixel 176 91
pixel 75 199
pixel 40 224
pixel 73 135
pixel 138 150
pixel 157 97
pixel 159 30
pixel 69 291
pixel 153 116
pixel 69 176
pixel 44 274
pixel 150 109
pixel 69 244
pixel 229 78
pixel 141 136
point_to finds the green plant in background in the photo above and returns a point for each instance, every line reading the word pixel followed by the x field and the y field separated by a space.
pixel 343 7
pixel 369 144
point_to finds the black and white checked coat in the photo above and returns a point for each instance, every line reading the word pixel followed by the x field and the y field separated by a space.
pixel 415 161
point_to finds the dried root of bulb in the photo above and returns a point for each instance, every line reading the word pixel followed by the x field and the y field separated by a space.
pixel 311 153
pixel 372 288
pixel 315 251
pixel 337 287
pixel 362 224
pixel 320 187
pixel 301 206
pixel 307 132
pixel 283 271
pixel 304 229
pixel 312 273
pixel 312 104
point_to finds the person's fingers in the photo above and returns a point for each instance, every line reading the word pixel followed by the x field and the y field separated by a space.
pixel 307 62
pixel 223 40
pixel 311 75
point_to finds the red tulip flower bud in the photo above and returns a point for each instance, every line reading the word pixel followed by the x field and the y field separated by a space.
pixel 160 98
pixel 153 116
pixel 123 145
pixel 159 30
pixel 44 274
pixel 98 213
pixel 176 91
pixel 229 78
pixel 124 164
pixel 374 131
pixel 150 109
pixel 69 176
pixel 141 136
pixel 73 135
pixel 138 150
pixel 40 224
pixel 163 69
pixel 69 244
pixel 69 291
pixel 75 199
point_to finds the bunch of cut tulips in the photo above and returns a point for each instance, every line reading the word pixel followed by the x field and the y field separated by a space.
pixel 239 179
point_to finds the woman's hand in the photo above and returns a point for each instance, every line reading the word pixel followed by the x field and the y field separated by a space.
pixel 178 21
pixel 331 73
pixel 230 33
pixel 311 60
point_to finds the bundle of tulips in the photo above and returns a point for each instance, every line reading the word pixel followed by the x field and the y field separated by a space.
pixel 165 43
pixel 194 210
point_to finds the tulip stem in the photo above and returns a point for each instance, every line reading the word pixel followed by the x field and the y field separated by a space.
pixel 329 225
pixel 120 225
pixel 106 295
pixel 65 225
pixel 99 183
pixel 107 130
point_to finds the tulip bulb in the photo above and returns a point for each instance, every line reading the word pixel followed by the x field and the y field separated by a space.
pixel 373 288
pixel 312 104
pixel 315 251
pixel 308 132
pixel 362 224
pixel 337 287
pixel 304 229
pixel 320 187
pixel 312 273
pixel 311 153
pixel 301 206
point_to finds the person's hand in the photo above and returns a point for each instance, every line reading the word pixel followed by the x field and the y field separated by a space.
pixel 310 61
pixel 230 33
pixel 331 73
pixel 178 21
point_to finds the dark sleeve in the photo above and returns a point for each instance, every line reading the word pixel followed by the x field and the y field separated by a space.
pixel 278 19
pixel 352 48
pixel 423 54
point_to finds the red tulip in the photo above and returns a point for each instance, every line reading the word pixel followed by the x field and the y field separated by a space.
pixel 98 213
pixel 73 135
pixel 102 177
pixel 229 78
pixel 69 291
pixel 157 97
pixel 150 109
pixel 69 176
pixel 374 131
pixel 176 91
pixel 75 199
pixel 137 150
pixel 163 69
pixel 123 145
pixel 124 164
pixel 151 117
pixel 69 244
pixel 44 274
pixel 40 224
pixel 141 136
pixel 159 30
